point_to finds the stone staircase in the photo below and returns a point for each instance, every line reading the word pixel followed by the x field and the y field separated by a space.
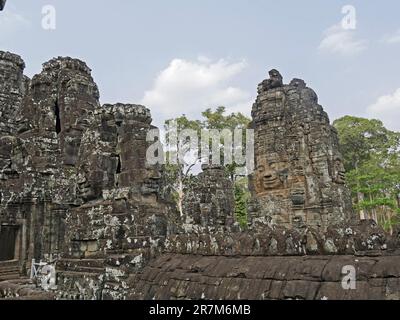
pixel 9 270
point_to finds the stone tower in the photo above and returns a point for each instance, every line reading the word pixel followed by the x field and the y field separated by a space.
pixel 120 221
pixel 42 122
pixel 209 202
pixel 299 176
pixel 13 86
pixel 63 97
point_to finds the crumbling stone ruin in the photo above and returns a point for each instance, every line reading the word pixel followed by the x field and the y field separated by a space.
pixel 76 192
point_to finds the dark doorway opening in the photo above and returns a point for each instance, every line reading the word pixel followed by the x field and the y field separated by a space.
pixel 57 114
pixel 119 165
pixel 8 239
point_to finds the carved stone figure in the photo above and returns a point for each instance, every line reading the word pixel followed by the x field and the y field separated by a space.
pixel 299 172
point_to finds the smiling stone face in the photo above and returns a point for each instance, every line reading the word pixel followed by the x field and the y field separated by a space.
pixel 270 175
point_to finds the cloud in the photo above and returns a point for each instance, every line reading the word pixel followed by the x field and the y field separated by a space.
pixel 11 22
pixel 338 40
pixel 392 38
pixel 387 109
pixel 189 87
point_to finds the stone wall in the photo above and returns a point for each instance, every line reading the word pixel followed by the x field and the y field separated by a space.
pixel 357 239
pixel 174 276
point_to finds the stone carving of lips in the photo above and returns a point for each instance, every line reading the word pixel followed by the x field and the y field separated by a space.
pixel 270 180
pixel 340 172
pixel 341 177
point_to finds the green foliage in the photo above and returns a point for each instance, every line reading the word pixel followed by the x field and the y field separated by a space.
pixel 361 139
pixel 218 120
pixel 214 120
pixel 178 176
pixel 372 160
pixel 241 197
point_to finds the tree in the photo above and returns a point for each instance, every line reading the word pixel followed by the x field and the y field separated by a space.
pixel 218 120
pixel 179 175
pixel 372 160
pixel 360 139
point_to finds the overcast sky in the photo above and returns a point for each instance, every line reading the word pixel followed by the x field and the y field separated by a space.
pixel 182 56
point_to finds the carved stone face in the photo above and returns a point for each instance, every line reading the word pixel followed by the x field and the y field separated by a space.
pixel 152 181
pixel 271 175
pixel 339 173
pixel 85 190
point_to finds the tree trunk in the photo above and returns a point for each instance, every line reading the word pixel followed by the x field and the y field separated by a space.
pixel 389 212
pixel 180 194
pixel 360 199
pixel 360 196
pixel 374 215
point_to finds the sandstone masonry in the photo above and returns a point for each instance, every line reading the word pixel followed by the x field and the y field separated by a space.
pixel 76 191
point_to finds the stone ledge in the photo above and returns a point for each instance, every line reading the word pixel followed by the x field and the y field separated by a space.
pixel 174 276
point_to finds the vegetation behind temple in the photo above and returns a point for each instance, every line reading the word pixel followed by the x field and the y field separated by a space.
pixel 372 160
pixel 371 154
pixel 180 176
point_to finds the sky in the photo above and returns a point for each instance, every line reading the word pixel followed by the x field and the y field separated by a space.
pixel 183 56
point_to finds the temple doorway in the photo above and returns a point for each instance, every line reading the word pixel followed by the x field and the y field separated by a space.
pixel 8 240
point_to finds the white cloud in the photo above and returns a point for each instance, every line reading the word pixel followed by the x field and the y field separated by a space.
pixel 338 40
pixel 387 109
pixel 392 38
pixel 11 22
pixel 189 87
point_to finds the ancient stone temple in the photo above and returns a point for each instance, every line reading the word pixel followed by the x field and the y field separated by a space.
pixel 299 177
pixel 77 193
pixel 43 120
